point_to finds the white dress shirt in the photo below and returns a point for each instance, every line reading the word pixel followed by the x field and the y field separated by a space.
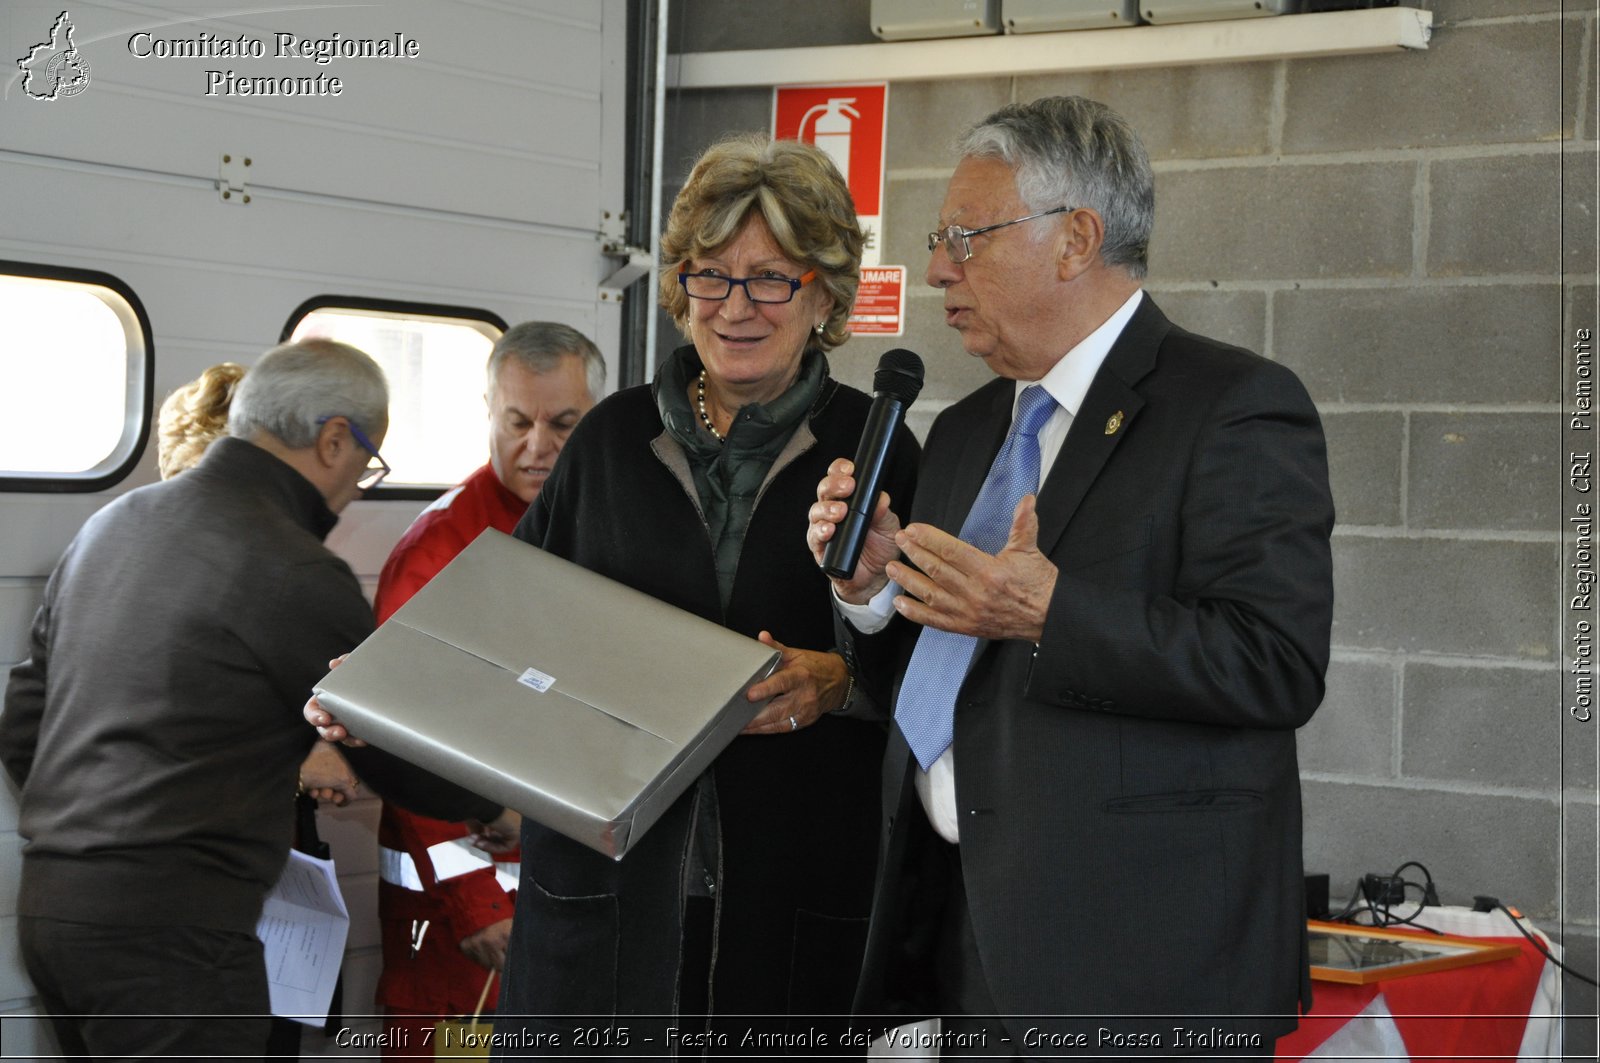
pixel 1067 382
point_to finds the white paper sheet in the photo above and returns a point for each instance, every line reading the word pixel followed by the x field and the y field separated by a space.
pixel 303 927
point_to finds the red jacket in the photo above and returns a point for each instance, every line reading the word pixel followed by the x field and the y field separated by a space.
pixel 427 873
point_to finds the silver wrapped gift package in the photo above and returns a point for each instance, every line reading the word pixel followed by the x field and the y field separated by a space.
pixel 583 704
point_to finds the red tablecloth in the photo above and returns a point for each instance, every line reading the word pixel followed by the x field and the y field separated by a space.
pixel 1465 1013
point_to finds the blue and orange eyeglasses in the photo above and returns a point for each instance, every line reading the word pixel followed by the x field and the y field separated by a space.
pixel 716 287
pixel 377 469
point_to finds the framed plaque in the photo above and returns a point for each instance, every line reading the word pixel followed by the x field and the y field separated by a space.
pixel 1357 955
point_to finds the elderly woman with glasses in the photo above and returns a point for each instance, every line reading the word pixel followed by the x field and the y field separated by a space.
pixel 750 896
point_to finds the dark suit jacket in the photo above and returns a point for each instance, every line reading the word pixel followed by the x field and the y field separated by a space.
pixel 1128 794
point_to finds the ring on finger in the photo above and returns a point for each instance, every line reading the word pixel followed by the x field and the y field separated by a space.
pixel 794 724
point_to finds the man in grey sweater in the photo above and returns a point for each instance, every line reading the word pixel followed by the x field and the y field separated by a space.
pixel 155 732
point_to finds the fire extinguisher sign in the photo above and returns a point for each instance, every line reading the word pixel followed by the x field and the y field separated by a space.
pixel 847 122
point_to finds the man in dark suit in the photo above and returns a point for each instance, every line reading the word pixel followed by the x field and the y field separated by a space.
pixel 1114 597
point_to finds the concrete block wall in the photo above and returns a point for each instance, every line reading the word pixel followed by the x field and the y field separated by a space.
pixel 1414 234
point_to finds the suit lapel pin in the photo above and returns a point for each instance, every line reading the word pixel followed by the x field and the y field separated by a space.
pixel 1113 423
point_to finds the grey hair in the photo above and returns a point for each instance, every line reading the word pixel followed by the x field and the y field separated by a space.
pixel 296 385
pixel 1068 151
pixel 539 346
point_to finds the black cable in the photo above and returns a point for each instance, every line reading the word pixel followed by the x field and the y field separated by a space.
pixel 1383 914
pixel 1429 894
pixel 1516 921
pixel 1350 906
pixel 1382 917
pixel 1410 920
pixel 1358 905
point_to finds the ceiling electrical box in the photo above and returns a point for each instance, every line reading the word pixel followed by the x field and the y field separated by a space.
pixel 1161 11
pixel 915 20
pixel 1045 16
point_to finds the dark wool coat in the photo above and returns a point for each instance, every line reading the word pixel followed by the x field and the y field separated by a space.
pixel 796 815
pixel 155 728
pixel 1128 790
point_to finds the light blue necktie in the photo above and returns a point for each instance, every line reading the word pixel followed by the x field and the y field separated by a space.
pixel 925 709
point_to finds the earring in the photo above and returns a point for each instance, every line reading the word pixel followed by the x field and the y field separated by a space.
pixel 820 326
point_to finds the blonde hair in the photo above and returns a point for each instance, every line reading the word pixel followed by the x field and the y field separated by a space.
pixel 796 190
pixel 194 415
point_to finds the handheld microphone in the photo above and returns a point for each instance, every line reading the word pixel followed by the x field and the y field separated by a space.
pixel 896 383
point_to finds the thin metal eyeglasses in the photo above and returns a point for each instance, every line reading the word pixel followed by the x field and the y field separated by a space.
pixel 955 237
pixel 377 469
pixel 716 287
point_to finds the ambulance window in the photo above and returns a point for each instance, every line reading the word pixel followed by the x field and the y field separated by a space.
pixel 434 358
pixel 75 368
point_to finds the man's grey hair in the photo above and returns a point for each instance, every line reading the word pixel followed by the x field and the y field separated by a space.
pixel 295 386
pixel 1068 151
pixel 539 346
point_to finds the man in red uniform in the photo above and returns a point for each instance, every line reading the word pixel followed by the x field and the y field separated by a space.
pixel 445 906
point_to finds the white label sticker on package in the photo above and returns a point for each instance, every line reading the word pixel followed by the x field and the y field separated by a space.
pixel 537 680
